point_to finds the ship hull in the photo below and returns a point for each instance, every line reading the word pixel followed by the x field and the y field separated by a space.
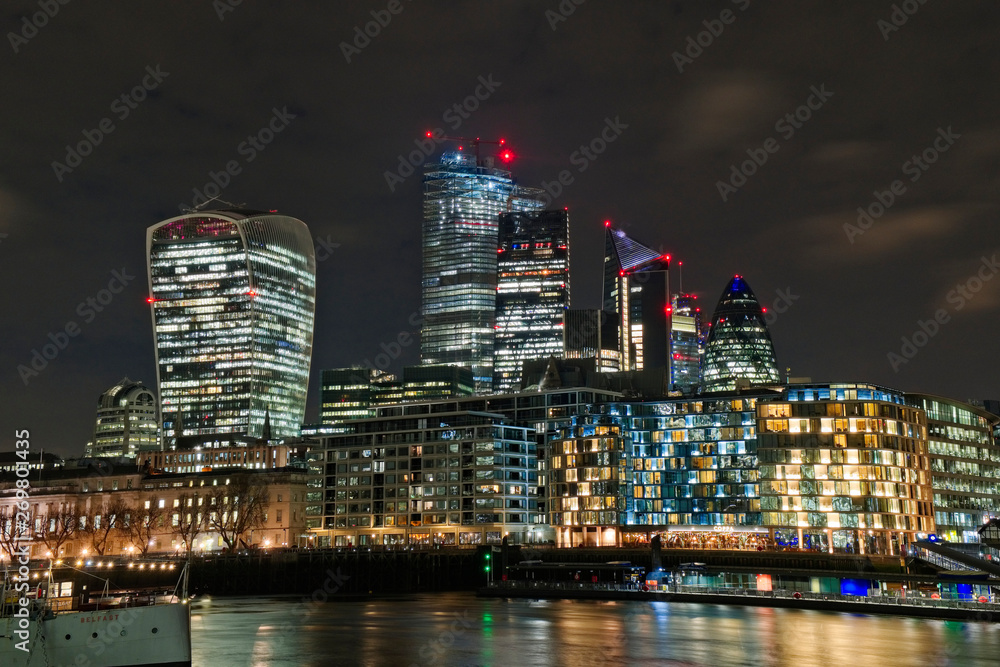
pixel 158 635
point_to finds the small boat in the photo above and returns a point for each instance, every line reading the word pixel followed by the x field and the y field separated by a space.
pixel 52 624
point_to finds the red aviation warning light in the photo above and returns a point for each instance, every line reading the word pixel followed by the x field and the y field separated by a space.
pixel 150 300
pixel 506 156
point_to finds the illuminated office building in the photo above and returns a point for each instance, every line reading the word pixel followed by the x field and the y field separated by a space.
pixel 463 200
pixel 965 466
pixel 232 297
pixel 354 393
pixel 126 421
pixel 685 344
pixel 592 334
pixel 637 291
pixel 532 292
pixel 738 351
pixel 844 467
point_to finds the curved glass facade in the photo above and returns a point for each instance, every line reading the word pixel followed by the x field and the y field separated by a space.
pixel 739 346
pixel 463 201
pixel 233 296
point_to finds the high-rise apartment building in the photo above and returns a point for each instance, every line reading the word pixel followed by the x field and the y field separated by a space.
pixel 463 200
pixel 637 291
pixel 126 421
pixel 232 295
pixel 532 292
pixel 739 349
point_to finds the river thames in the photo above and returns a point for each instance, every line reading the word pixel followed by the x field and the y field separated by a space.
pixel 460 629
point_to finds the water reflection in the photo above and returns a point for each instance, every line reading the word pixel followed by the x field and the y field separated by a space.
pixel 460 629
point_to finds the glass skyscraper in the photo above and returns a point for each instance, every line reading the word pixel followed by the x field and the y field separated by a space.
pixel 685 344
pixel 463 200
pixel 532 292
pixel 739 348
pixel 233 296
pixel 637 291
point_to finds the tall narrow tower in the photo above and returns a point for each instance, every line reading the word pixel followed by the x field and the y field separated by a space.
pixel 637 291
pixel 463 200
pixel 233 298
pixel 532 292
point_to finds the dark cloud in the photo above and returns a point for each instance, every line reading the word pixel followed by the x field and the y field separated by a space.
pixel 783 229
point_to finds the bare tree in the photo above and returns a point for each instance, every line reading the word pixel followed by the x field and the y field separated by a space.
pixel 142 521
pixel 237 508
pixel 57 528
pixel 15 532
pixel 189 521
pixel 102 522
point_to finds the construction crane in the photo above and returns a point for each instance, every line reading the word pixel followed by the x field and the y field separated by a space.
pixel 505 154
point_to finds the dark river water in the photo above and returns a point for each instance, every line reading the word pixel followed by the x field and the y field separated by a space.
pixel 460 629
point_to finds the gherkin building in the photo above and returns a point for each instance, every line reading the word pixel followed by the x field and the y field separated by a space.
pixel 739 346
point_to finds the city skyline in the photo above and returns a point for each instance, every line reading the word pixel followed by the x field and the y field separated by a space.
pixel 745 152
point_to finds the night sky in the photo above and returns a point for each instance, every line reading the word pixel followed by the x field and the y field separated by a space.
pixel 833 99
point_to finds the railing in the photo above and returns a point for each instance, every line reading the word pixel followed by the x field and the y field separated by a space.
pixel 946 600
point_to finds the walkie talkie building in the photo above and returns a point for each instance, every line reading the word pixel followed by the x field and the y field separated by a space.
pixel 232 297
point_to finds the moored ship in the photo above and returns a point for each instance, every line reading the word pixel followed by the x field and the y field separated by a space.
pixel 54 624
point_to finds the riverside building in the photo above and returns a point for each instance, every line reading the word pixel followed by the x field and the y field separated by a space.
pixel 965 466
pixel 844 467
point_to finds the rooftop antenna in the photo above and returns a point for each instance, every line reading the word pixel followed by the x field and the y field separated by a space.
pixel 680 278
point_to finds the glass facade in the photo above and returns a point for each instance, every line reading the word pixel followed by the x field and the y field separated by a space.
pixel 739 348
pixel 844 468
pixel 684 465
pixel 416 479
pixel 592 334
pixel 126 421
pixel 532 292
pixel 463 201
pixel 637 291
pixel 965 466
pixel 685 344
pixel 233 297
pixel 354 393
